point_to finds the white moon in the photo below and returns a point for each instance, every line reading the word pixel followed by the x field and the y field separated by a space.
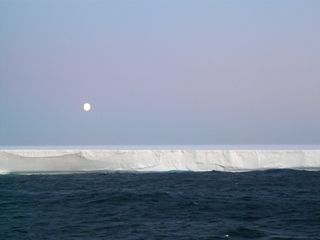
pixel 86 107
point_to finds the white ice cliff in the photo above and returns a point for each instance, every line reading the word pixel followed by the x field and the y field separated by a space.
pixel 41 160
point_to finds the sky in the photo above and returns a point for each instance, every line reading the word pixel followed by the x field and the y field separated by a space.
pixel 159 72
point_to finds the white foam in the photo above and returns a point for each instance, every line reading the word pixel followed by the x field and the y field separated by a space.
pixel 70 160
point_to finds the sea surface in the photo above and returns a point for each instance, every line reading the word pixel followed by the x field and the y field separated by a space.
pixel 276 204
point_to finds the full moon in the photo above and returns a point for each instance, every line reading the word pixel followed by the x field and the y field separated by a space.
pixel 86 107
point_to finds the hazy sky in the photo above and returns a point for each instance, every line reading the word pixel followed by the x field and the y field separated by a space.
pixel 159 72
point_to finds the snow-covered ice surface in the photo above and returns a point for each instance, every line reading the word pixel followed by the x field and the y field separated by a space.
pixel 158 159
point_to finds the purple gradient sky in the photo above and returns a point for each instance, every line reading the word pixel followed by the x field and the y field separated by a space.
pixel 159 72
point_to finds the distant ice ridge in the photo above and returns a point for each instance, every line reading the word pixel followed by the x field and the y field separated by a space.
pixel 64 160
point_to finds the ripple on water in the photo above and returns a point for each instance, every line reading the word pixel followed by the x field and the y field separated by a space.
pixel 280 204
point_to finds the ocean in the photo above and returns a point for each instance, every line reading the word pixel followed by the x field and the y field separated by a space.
pixel 273 204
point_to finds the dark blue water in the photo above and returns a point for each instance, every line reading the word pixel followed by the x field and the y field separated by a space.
pixel 257 205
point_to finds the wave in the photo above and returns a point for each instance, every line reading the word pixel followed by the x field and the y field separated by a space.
pixel 63 160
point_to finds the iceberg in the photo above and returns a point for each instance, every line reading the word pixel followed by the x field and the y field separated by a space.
pixel 156 160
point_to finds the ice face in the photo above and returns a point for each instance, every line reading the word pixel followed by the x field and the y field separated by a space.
pixel 42 160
